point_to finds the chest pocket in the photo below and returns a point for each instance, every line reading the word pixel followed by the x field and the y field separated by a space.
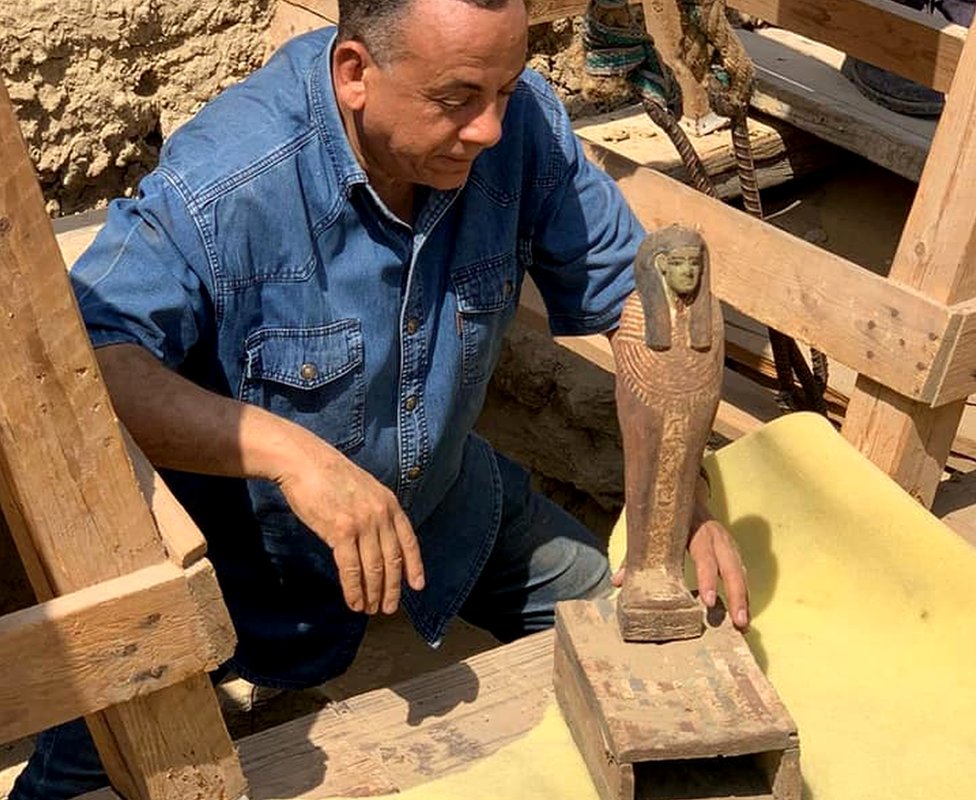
pixel 487 295
pixel 312 376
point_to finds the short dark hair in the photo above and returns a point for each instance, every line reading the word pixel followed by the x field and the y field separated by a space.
pixel 374 23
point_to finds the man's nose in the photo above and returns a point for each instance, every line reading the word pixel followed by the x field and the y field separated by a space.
pixel 485 129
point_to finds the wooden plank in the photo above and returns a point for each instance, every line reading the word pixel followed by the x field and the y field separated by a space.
pixel 394 738
pixel 76 232
pixel 741 411
pixel 880 328
pixel 67 488
pixel 920 46
pixel 959 365
pixel 181 537
pixel 781 151
pixel 799 81
pixel 99 646
pixel 541 11
pixel 293 19
pixel 935 255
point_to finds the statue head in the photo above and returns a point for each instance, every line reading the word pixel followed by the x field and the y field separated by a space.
pixel 671 270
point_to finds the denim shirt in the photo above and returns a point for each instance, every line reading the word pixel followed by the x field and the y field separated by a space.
pixel 258 261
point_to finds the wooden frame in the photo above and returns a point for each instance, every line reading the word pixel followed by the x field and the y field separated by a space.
pixel 121 568
pixel 138 615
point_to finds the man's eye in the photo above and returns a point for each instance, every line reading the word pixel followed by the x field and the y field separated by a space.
pixel 452 103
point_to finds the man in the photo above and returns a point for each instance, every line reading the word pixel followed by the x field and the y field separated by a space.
pixel 310 292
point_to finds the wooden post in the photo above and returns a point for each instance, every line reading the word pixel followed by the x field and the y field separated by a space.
pixel 936 255
pixel 71 499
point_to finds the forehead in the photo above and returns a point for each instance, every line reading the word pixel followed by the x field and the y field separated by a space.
pixel 683 251
pixel 441 40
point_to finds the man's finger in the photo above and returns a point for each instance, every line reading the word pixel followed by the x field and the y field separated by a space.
pixel 734 578
pixel 706 567
pixel 371 558
pixel 393 567
pixel 413 565
pixel 346 556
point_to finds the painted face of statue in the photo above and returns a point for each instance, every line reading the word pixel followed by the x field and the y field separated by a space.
pixel 681 268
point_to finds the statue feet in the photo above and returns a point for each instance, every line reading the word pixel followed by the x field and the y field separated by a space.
pixel 656 607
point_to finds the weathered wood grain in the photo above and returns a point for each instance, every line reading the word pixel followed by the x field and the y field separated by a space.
pixel 106 644
pixel 69 494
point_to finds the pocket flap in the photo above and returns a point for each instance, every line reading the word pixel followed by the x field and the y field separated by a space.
pixel 487 286
pixel 305 358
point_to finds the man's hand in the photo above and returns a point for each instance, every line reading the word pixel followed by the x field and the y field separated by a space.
pixel 716 555
pixel 371 538
pixel 182 426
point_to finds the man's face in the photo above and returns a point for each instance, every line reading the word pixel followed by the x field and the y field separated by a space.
pixel 681 268
pixel 438 101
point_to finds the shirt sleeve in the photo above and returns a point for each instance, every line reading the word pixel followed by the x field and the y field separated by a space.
pixel 584 244
pixel 146 279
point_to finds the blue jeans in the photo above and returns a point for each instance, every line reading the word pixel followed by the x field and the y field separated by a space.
pixel 542 555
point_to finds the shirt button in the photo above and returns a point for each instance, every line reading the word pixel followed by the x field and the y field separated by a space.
pixel 410 403
pixel 412 326
pixel 509 288
pixel 309 371
pixel 413 473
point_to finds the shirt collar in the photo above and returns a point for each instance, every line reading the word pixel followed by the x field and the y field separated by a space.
pixel 325 113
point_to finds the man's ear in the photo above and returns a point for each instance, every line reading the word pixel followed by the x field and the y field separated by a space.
pixel 350 60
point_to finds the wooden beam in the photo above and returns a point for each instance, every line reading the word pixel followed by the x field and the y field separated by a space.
pixel 800 82
pixel 738 413
pixel 957 377
pixel 887 331
pixel 920 46
pixel 181 537
pixel 68 491
pixel 936 255
pixel 103 645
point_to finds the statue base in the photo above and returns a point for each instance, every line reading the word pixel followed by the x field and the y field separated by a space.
pixel 693 715
pixel 653 608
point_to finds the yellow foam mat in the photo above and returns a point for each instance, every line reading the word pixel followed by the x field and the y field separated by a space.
pixel 864 620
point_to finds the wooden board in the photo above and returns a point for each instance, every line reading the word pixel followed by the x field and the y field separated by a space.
pixel 799 81
pixel 103 645
pixel 923 47
pixel 781 151
pixel 391 739
pixel 876 326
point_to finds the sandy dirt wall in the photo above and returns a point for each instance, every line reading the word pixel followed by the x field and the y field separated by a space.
pixel 98 84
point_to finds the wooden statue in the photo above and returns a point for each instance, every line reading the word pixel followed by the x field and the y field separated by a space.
pixel 669 351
